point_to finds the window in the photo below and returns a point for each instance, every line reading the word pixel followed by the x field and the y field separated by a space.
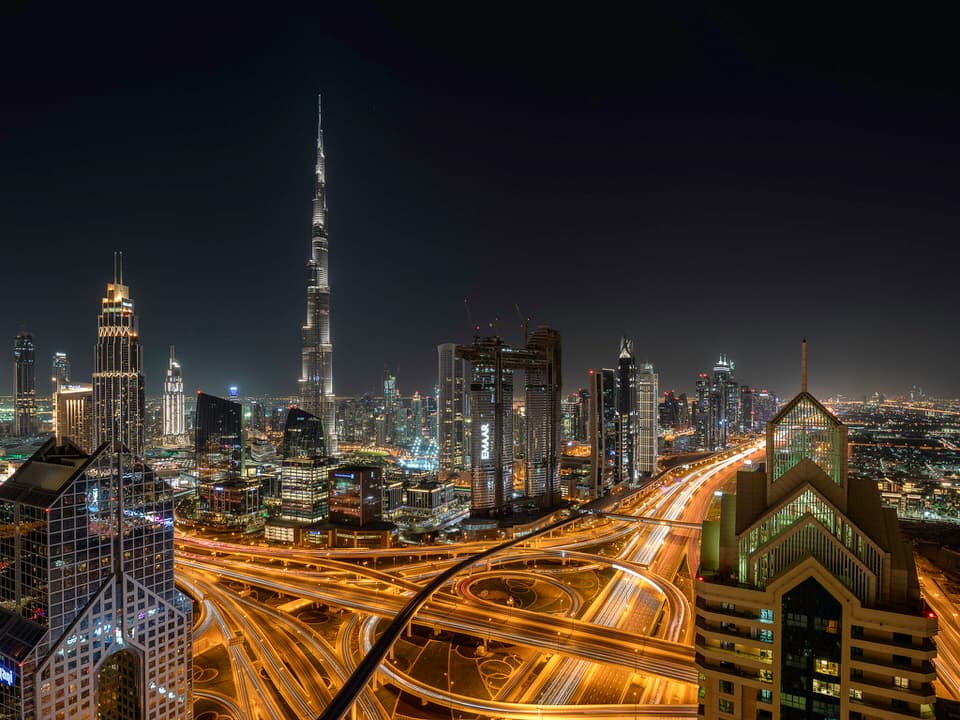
pixel 827 667
pixel 901 682
pixel 766 616
pixel 765 696
pixel 898 704
pixel 856 694
pixel 726 687
pixel 856 652
pixel 766 636
pixel 822 687
pixel 903 638
pixel 725 706
pixel 901 661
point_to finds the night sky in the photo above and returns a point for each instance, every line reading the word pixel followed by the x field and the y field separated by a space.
pixel 700 181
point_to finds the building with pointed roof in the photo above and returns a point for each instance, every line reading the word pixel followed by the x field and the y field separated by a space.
pixel 808 603
pixel 91 624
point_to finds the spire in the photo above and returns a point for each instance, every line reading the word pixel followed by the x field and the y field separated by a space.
pixel 173 352
pixel 319 121
pixel 803 366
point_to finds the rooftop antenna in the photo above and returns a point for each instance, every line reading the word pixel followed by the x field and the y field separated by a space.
pixel 121 267
pixel 803 366
pixel 114 267
pixel 173 352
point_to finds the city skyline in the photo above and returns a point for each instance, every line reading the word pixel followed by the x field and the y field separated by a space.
pixel 725 155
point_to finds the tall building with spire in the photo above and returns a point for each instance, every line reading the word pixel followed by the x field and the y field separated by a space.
pixel 808 602
pixel 173 422
pixel 118 399
pixel 316 376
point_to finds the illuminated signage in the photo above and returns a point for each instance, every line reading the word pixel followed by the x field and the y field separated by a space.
pixel 485 441
pixel 6 676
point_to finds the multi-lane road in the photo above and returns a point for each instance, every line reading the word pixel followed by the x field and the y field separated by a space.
pixel 625 651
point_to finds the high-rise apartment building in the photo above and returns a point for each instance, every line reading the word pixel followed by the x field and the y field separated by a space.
pixel 91 624
pixel 118 399
pixel 25 420
pixel 174 423
pixel 316 376
pixel 60 370
pixel 453 409
pixel 648 392
pixel 627 419
pixel 808 604
pixel 73 415
pixel 603 431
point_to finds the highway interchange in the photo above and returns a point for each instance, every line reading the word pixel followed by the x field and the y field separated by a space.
pixel 609 630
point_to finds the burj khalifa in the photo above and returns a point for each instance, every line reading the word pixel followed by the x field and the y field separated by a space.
pixel 316 377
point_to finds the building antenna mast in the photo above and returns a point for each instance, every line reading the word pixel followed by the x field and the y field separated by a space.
pixel 803 366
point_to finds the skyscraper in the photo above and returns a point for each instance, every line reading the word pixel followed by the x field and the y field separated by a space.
pixel 60 375
pixel 91 624
pixel 603 431
pixel 316 378
pixel 25 420
pixel 453 409
pixel 118 399
pixel 626 413
pixel 808 602
pixel 173 417
pixel 701 413
pixel 543 383
pixel 491 420
pixel 647 416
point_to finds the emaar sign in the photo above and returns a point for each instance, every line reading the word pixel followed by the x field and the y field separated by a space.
pixel 485 441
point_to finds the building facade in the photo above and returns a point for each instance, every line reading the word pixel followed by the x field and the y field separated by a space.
pixel 73 415
pixel 356 495
pixel 227 495
pixel 603 431
pixel 304 483
pixel 543 380
pixel 25 419
pixel 91 624
pixel 316 349
pixel 174 422
pixel 118 399
pixel 648 416
pixel 491 427
pixel 627 413
pixel 808 603
pixel 453 410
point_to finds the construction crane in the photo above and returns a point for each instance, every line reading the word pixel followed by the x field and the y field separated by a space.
pixel 473 325
pixel 524 322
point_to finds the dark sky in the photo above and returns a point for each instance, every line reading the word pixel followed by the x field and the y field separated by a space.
pixel 701 181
